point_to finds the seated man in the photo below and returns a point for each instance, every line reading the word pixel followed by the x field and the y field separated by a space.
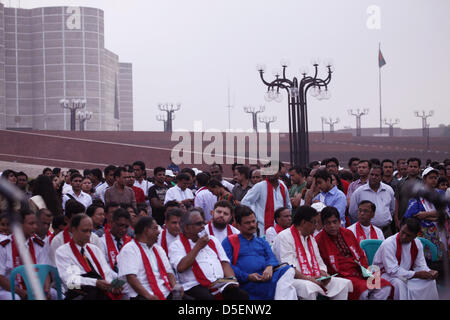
pixel 73 208
pixel 10 258
pixel 342 254
pixel 220 226
pixel 200 260
pixel 171 228
pixel 83 269
pixel 402 262
pixel 283 220
pixel 363 229
pixel 116 237
pixel 145 265
pixel 298 248
pixel 253 262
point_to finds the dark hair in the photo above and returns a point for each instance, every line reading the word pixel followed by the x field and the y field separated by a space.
pixel 58 221
pixel 217 165
pixel 41 211
pixel 368 163
pixel 188 171
pixel 323 174
pixel 213 183
pixel 202 179
pixel 91 210
pixel 96 172
pixel 23 213
pixel 98 203
pixel 140 164
pixel 43 186
pixel 171 203
pixel 241 212
pixel 313 164
pixel 372 205
pixel 86 172
pixel 339 182
pixel 110 205
pixel 352 159
pixel 7 172
pixel 278 212
pixel 126 206
pixel 346 175
pixel 414 159
pixel 142 207
pixel 387 160
pixel 56 171
pixel 76 220
pixel 47 169
pixel 303 213
pixel 118 171
pixel 375 166
pixel 412 223
pixel 224 204
pixel 182 176
pixel 157 170
pixel 73 207
pixel 332 159
pixel 401 159
pixel 120 213
pixel 236 165
pixel 244 170
pixel 142 224
pixel 108 169
pixel 75 175
pixel 375 161
pixel 329 212
pixel 441 180
pixel 21 173
pixel 174 212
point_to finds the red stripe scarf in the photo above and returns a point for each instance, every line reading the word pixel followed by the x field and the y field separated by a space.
pixel 301 255
pixel 17 261
pixel 211 232
pixel 269 211
pixel 66 235
pixel 236 245
pixel 361 235
pixel 164 241
pixel 198 273
pixel 414 252
pixel 278 228
pixel 149 271
pixel 111 248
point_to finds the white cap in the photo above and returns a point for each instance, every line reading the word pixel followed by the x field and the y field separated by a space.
pixel 169 173
pixel 428 170
pixel 318 206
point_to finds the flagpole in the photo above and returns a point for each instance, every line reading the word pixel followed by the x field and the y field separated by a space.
pixel 379 86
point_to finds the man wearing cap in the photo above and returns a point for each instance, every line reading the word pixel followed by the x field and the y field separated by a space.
pixel 170 176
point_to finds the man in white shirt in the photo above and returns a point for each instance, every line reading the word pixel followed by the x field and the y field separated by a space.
pixel 363 229
pixel 298 247
pixel 204 198
pixel 217 172
pixel 76 193
pixel 283 220
pixel 220 226
pixel 10 258
pixel 201 260
pixel 109 181
pixel 401 260
pixel 181 192
pixel 84 272
pixel 264 204
pixel 171 229
pixel 141 179
pixel 44 220
pixel 145 266
pixel 73 208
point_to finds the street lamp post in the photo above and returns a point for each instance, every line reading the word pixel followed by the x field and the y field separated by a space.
pixel 424 117
pixel 391 123
pixel 169 108
pixel 297 104
pixel 332 122
pixel 358 114
pixel 267 121
pixel 83 116
pixel 254 111
pixel 163 118
pixel 73 105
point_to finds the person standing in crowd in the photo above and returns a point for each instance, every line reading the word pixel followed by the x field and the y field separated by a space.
pixel 388 173
pixel 353 167
pixel 298 180
pixel 332 165
pixel 140 175
pixel 220 226
pixel 109 181
pixel 216 173
pixel 119 192
pixel 76 193
pixel 363 173
pixel 381 195
pixel 255 176
pixel 402 169
pixel 401 259
pixel 181 192
pixel 220 191
pixel 266 197
pixel 243 184
pixel 22 183
pixel 86 187
pixel 96 177
pixel 157 194
pixel 139 194
pixel 67 184
pixel 204 198
pixel 363 229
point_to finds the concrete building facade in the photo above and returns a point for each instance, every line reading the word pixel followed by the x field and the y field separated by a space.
pixel 53 53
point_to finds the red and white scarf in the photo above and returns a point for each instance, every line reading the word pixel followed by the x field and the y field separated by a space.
pixel 66 235
pixel 111 248
pixel 269 211
pixel 278 228
pixel 164 241
pixel 211 232
pixel 17 261
pixel 305 267
pixel 414 251
pixel 198 273
pixel 361 235
pixel 151 276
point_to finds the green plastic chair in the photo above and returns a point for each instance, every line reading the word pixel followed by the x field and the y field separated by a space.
pixel 370 247
pixel 42 271
pixel 431 246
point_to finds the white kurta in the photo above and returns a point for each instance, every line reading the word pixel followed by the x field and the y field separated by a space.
pixel 206 259
pixel 366 230
pixel 70 270
pixel 129 261
pixel 405 287
pixel 169 238
pixel 221 234
pixel 337 288
pixel 175 193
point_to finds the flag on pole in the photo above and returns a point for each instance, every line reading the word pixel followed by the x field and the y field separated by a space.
pixel 381 61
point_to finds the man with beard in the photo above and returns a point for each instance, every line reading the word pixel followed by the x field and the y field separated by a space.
pixel 220 226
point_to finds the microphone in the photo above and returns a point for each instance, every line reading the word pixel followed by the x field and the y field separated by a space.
pixel 413 189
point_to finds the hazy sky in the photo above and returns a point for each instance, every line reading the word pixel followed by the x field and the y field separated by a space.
pixel 189 51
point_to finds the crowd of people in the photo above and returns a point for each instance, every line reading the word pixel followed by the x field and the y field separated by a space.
pixel 186 234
